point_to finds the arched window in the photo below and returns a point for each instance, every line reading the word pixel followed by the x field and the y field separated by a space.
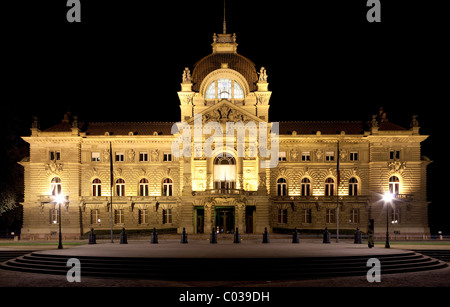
pixel 55 186
pixel 329 187
pixel 97 187
pixel 281 187
pixel 120 187
pixel 224 172
pixel 143 187
pixel 224 89
pixel 306 187
pixel 394 185
pixel 353 187
pixel 167 187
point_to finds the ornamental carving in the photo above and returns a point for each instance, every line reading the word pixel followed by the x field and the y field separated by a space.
pixel 225 114
pixel 397 166
pixel 54 167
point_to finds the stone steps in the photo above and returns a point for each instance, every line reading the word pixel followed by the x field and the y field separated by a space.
pixel 443 255
pixel 222 268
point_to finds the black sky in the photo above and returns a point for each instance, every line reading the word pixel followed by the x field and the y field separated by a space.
pixel 324 60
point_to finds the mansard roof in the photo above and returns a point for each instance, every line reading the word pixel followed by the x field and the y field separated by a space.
pixel 124 128
pixel 333 127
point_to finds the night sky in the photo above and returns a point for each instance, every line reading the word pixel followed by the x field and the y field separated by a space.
pixel 323 59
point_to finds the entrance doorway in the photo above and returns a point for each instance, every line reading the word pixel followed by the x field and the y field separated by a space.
pixel 249 218
pixel 225 220
pixel 200 219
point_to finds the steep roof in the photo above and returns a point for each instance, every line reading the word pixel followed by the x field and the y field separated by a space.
pixel 124 128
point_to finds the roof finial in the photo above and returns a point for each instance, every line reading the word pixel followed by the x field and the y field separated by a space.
pixel 224 21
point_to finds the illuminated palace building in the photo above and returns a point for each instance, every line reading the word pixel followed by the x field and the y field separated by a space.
pixel 153 188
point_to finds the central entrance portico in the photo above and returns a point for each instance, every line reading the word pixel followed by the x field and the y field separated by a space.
pixel 224 218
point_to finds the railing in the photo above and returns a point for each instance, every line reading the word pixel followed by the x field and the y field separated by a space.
pixel 223 192
pixel 320 198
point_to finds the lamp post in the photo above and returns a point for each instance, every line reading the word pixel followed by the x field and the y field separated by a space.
pixel 387 200
pixel 59 199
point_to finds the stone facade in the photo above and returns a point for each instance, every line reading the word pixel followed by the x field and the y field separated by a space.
pixel 152 187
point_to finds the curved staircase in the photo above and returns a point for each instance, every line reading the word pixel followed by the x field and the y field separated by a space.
pixel 222 268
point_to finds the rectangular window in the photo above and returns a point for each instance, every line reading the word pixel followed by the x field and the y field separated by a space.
pixel 394 154
pixel 118 216
pixel 95 216
pixel 282 216
pixel 354 216
pixel 307 216
pixel 282 156
pixel 143 157
pixel 306 156
pixel 395 215
pixel 353 156
pixel 53 216
pixel 143 216
pixel 329 156
pixel 167 216
pixel 55 156
pixel 167 157
pixel 331 216
pixel 95 157
pixel 120 157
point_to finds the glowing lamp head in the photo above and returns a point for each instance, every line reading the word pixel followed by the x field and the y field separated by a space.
pixel 59 199
pixel 388 197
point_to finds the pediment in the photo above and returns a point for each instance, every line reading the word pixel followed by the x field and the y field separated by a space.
pixel 225 111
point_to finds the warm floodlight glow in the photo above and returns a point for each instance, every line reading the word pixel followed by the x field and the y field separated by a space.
pixel 59 199
pixel 388 197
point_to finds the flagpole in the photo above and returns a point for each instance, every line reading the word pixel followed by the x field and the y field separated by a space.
pixel 338 173
pixel 112 188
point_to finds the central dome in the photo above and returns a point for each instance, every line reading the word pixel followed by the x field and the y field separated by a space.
pixel 215 60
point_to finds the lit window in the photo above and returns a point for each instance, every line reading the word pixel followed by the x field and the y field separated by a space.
pixel 120 187
pixel 354 216
pixel 95 157
pixel 282 216
pixel 331 216
pixel 306 156
pixel 281 187
pixel 329 156
pixel 53 216
pixel 120 157
pixel 224 89
pixel 329 187
pixel 55 155
pixel 353 187
pixel 167 157
pixel 143 216
pixel 97 187
pixel 143 187
pixel 167 187
pixel 55 186
pixel 353 156
pixel 143 157
pixel 119 217
pixel 167 216
pixel 211 91
pixel 95 216
pixel 306 187
pixel 394 185
pixel 238 92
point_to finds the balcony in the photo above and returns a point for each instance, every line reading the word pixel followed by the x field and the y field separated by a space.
pixel 359 198
pixel 222 192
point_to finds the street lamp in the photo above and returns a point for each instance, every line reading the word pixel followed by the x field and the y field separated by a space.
pixel 59 199
pixel 387 200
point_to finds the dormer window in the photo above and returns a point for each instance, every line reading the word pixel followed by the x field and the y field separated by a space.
pixel 224 89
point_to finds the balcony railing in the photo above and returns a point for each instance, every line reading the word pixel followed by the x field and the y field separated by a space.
pixel 220 192
pixel 320 198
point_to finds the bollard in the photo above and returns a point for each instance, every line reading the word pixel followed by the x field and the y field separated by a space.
pixel 92 237
pixel 326 236
pixel 213 237
pixel 184 238
pixel 295 237
pixel 123 237
pixel 370 233
pixel 154 239
pixel 358 236
pixel 237 236
pixel 266 236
